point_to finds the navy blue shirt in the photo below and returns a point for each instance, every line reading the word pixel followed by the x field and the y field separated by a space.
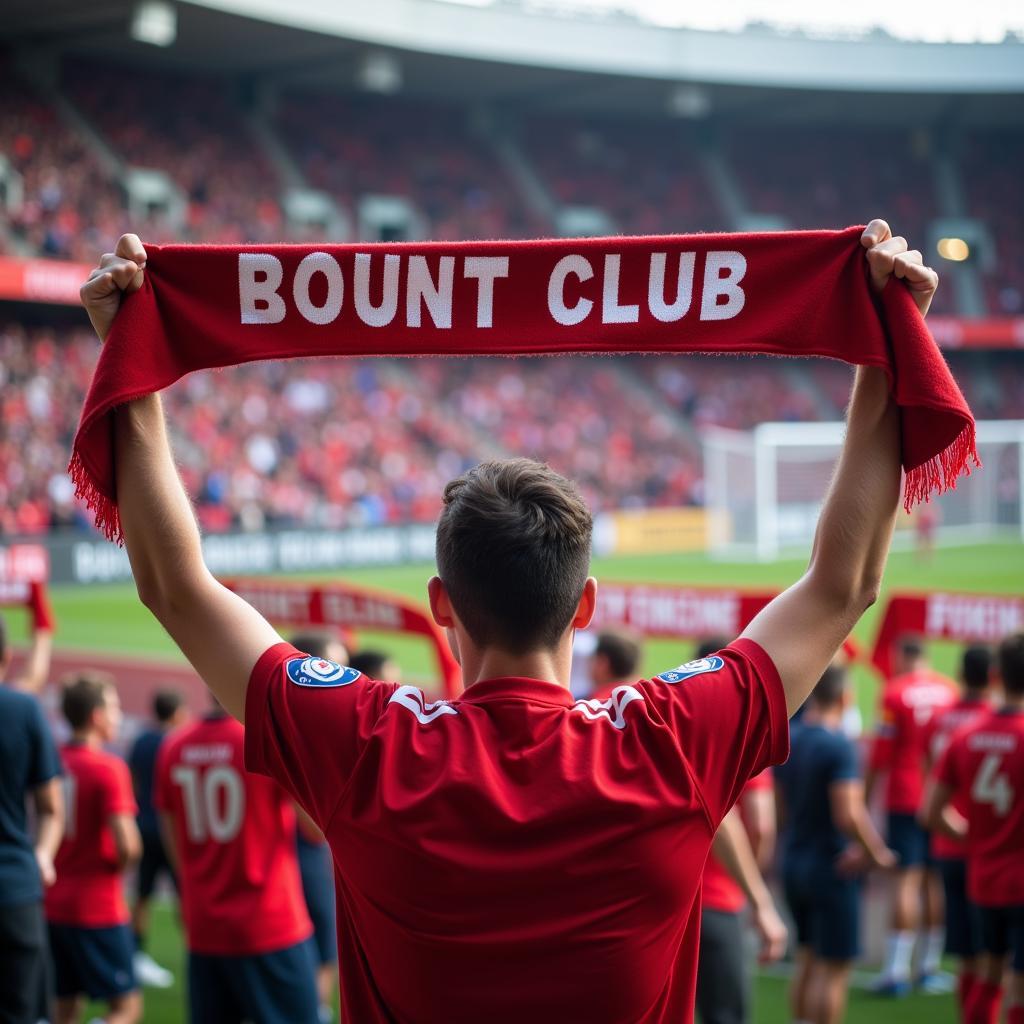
pixel 818 758
pixel 28 758
pixel 142 762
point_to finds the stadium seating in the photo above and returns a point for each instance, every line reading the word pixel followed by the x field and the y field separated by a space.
pixel 372 442
pixel 991 164
pixel 69 209
pixel 190 128
pixel 644 174
pixel 361 442
pixel 355 146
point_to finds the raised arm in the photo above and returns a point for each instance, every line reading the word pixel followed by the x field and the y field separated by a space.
pixel 36 670
pixel 220 634
pixel 802 629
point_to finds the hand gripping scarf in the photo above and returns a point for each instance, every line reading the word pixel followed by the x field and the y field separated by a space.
pixel 803 293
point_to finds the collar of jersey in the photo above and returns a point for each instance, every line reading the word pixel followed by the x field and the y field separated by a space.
pixel 538 691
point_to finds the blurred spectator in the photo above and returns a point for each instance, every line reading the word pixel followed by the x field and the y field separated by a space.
pixel 341 442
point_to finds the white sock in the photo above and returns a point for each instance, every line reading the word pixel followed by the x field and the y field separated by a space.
pixel 934 943
pixel 899 950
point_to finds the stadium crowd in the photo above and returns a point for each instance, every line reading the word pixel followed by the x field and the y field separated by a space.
pixel 643 174
pixel 261 445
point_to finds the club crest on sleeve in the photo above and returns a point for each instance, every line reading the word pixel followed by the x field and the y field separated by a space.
pixel 318 672
pixel 692 668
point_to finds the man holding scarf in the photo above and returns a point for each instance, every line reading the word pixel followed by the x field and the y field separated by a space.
pixel 514 851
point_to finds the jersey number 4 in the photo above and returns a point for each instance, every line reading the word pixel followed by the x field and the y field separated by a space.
pixel 214 801
pixel 993 787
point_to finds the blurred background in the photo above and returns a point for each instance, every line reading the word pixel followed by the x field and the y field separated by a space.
pixel 239 121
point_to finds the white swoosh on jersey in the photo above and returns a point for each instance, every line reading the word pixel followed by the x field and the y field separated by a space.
pixel 612 708
pixel 413 699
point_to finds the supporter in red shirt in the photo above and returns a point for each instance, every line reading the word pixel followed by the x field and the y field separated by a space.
pixel 909 701
pixel 90 939
pixel 231 835
pixel 962 931
pixel 982 771
pixel 731 878
pixel 515 853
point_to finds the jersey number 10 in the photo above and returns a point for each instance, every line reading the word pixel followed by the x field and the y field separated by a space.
pixel 214 801
pixel 993 787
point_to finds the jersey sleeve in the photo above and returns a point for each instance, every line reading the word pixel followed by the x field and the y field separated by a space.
pixel 728 715
pixel 45 763
pixel 118 794
pixel 306 724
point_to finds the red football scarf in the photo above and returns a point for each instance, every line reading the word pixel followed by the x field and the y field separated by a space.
pixel 796 294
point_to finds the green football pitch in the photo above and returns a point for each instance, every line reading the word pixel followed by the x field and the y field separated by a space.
pixel 110 619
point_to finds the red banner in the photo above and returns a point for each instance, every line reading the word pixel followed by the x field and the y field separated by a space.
pixel 345 606
pixel 951 332
pixel 42 280
pixel 24 563
pixel 966 618
pixel 677 612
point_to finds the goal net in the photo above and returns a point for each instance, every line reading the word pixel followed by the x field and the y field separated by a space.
pixel 764 488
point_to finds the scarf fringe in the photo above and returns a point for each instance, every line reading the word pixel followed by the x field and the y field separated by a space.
pixel 105 512
pixel 941 472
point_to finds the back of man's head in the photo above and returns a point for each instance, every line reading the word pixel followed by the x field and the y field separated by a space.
pixel 513 552
pixel 910 652
pixel 320 643
pixel 830 689
pixel 83 694
pixel 976 666
pixel 621 652
pixel 709 645
pixel 166 704
pixel 1011 665
pixel 373 664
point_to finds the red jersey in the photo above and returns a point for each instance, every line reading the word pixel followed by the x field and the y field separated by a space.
pixel 516 852
pixel 908 704
pixel 241 894
pixel 718 890
pixel 937 736
pixel 89 891
pixel 984 767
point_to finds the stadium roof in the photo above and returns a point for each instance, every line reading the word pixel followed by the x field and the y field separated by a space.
pixel 506 55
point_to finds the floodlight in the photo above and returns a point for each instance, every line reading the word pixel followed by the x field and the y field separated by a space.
pixel 154 22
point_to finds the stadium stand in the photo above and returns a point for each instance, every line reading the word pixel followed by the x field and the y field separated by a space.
pixel 628 431
pixel 69 208
pixel 585 161
pixel 355 146
pixel 261 445
pixel 991 163
pixel 188 127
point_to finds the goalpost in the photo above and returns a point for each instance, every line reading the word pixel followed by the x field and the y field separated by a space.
pixel 764 487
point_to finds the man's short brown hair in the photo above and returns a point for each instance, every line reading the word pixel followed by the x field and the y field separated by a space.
pixel 513 551
pixel 82 694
